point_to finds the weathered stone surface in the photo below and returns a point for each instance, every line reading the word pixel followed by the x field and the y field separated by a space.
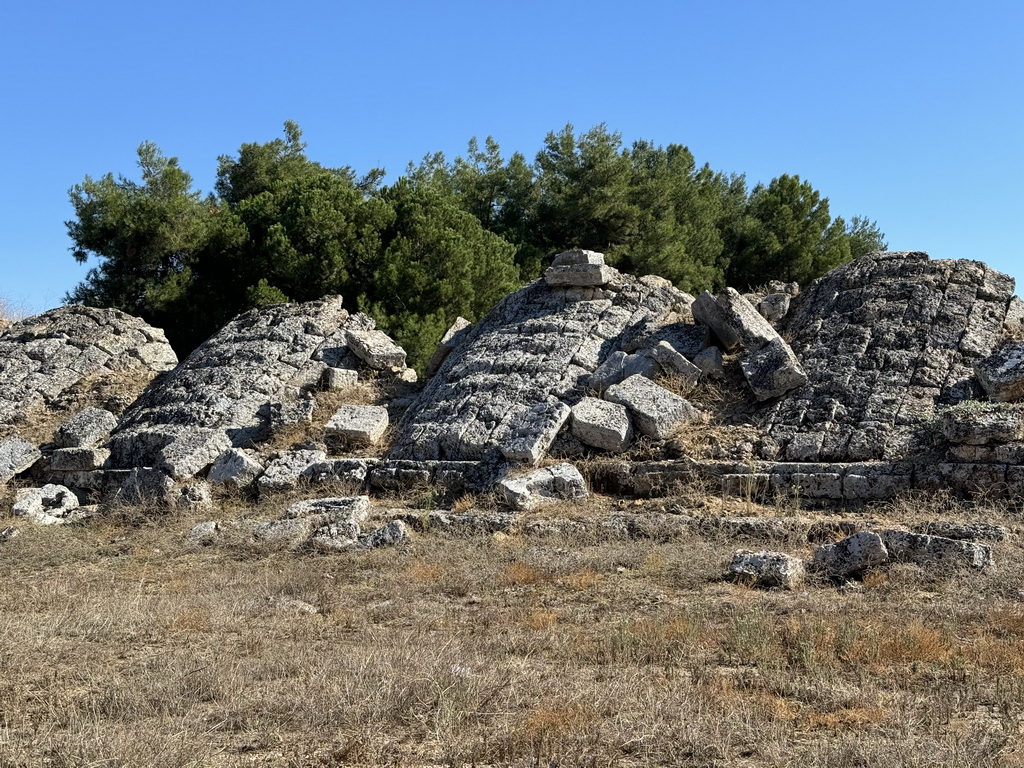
pixel 49 505
pixel 710 363
pixel 77 459
pixel 536 346
pixel 146 485
pixel 526 491
pixel 1013 323
pixel 43 357
pixel 579 268
pixel 774 307
pixel 376 349
pixel 218 398
pixel 391 535
pixel 353 472
pixel 976 423
pixel 656 412
pixel 531 433
pixel 925 550
pixel 195 495
pixel 358 424
pixel 687 338
pixel 453 338
pixel 963 531
pixel 235 467
pixel 733 320
pixel 16 455
pixel 1001 374
pixel 884 340
pixel 87 428
pixel 339 378
pixel 287 470
pixel 618 367
pixel 673 363
pixel 772 370
pixel 851 556
pixel 602 425
pixel 766 569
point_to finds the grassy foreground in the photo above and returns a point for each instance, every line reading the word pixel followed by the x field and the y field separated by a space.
pixel 123 645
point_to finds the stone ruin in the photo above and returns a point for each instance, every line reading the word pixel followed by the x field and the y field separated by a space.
pixel 893 372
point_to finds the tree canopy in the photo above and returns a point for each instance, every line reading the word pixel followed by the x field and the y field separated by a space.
pixel 445 239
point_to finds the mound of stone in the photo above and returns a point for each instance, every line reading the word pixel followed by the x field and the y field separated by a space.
pixel 226 393
pixel 45 356
pixel 884 340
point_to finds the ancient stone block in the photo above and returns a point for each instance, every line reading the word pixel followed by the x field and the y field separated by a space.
pixel 963 531
pixel 531 433
pixel 921 549
pixel 578 268
pixel 339 378
pixel 49 505
pixel 77 459
pixel 673 363
pixel 1002 374
pixel 710 363
pixel 602 425
pixel 16 456
pixel 376 349
pixel 766 569
pixel 453 338
pixel 235 467
pixel 85 429
pixel 772 370
pixel 656 412
pixel 774 307
pixel 286 471
pixel 620 366
pixel 976 423
pixel 851 556
pixel 558 482
pixel 358 424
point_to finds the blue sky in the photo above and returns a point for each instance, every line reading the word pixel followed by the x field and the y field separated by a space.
pixel 909 113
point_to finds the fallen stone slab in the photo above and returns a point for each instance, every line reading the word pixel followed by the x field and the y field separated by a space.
pixel 1001 374
pixel 710 362
pixel 49 505
pixel 548 484
pixel 618 367
pixel 656 412
pixel 772 370
pixel 236 468
pixel 674 364
pixel 287 470
pixel 146 485
pixel 16 456
pixel 353 472
pixel 339 378
pixel 77 459
pixel 602 425
pixel 87 428
pixel 391 535
pixel 531 433
pixel 452 339
pixel 774 307
pixel 979 423
pixel 851 556
pixel 734 320
pixel 931 551
pixel 963 531
pixel 766 569
pixel 376 349
pixel 360 425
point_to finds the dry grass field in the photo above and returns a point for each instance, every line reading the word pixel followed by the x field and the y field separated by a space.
pixel 123 645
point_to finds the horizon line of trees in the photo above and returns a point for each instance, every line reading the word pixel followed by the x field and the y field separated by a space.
pixel 447 238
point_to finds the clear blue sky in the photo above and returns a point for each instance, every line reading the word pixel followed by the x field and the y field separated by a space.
pixel 908 112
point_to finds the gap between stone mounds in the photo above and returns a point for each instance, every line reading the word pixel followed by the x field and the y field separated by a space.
pixel 892 374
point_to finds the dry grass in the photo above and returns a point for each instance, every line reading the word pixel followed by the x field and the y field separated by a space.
pixel 121 645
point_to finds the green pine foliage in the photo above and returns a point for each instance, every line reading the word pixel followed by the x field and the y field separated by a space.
pixel 446 239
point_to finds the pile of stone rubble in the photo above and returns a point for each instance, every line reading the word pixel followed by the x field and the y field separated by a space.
pixel 890 373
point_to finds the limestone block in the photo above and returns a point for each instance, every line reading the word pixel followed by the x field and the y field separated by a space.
pixel 339 378
pixel 656 412
pixel 851 556
pixel 1013 324
pixel 1002 374
pixel 753 485
pixel 620 366
pixel 710 362
pixel 391 535
pixel 376 349
pixel 578 268
pixel 577 258
pixel 963 531
pixel 204 534
pixel 976 423
pixel 824 485
pixel 350 471
pixel 286 471
pixel 195 495
pixel 925 550
pixel 549 484
pixel 774 307
pixel 738 319
pixel 772 370
pixel 192 452
pixel 766 569
pixel 235 467
pixel 864 485
pixel 146 485
pixel 452 339
pixel 707 311
pixel 358 424
pixel 78 459
pixel 16 455
pixel 602 425
pixel 49 505
pixel 673 363
pixel 86 428
pixel 533 431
